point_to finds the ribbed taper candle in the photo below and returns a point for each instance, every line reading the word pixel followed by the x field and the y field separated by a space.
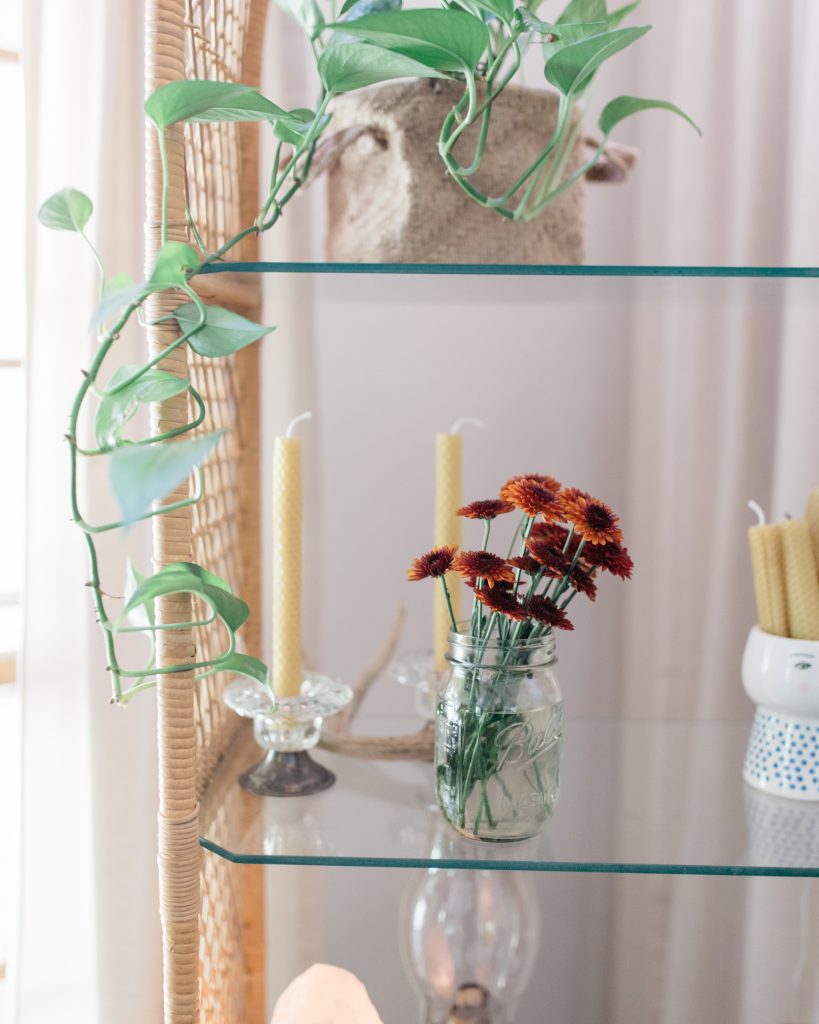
pixel 448 493
pixel 286 665
pixel 801 582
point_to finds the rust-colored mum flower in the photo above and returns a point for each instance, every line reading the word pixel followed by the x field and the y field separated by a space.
pixel 583 583
pixel 526 564
pixel 593 520
pixel 489 509
pixel 503 601
pixel 544 610
pixel 472 583
pixel 535 499
pixel 550 558
pixel 556 535
pixel 433 564
pixel 491 568
pixel 548 482
pixel 614 558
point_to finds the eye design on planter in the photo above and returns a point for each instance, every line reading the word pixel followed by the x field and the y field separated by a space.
pixel 802 665
pixel 802 662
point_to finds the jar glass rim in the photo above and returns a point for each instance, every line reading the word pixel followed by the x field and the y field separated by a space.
pixel 465 640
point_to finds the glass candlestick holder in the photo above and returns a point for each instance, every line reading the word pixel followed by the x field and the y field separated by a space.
pixel 417 669
pixel 286 730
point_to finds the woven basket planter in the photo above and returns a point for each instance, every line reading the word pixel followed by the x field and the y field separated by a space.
pixel 391 199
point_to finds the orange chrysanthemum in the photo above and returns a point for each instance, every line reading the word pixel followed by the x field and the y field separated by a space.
pixel 593 520
pixel 613 558
pixel 526 564
pixel 489 509
pixel 548 482
pixel 554 534
pixel 483 564
pixel 550 558
pixel 433 564
pixel 504 602
pixel 583 583
pixel 534 498
pixel 543 609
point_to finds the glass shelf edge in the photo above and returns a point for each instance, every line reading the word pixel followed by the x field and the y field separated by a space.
pixel 511 270
pixel 566 867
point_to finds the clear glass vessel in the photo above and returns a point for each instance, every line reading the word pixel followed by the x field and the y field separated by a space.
pixel 499 725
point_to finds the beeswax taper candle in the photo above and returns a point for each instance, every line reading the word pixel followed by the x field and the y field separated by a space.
pixel 286 668
pixel 448 489
pixel 768 567
pixel 812 517
pixel 448 499
pixel 802 586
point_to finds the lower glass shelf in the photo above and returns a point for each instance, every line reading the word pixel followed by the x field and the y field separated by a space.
pixel 638 797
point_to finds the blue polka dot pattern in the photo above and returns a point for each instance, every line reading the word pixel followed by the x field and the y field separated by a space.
pixel 783 755
pixel 782 833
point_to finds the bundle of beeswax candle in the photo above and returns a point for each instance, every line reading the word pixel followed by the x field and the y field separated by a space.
pixel 785 561
pixel 812 517
pixel 801 582
pixel 769 578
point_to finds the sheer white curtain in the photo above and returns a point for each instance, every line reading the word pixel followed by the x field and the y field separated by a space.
pixel 89 949
pixel 723 407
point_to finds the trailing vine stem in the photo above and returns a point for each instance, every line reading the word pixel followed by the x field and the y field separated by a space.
pixel 295 170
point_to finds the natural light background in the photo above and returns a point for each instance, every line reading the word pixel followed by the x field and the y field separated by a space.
pixel 12 271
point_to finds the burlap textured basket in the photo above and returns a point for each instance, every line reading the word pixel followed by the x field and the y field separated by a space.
pixel 391 199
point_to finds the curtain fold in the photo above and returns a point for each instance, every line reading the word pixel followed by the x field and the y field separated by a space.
pixel 89 939
pixel 723 408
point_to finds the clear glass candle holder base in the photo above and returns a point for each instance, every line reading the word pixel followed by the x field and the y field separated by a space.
pixel 417 669
pixel 286 730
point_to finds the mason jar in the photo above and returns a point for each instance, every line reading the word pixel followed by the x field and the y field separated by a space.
pixel 499 723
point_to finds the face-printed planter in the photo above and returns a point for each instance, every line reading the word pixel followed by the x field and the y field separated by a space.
pixel 781 676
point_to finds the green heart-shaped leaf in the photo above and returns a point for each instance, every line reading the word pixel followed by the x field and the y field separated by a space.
pixel 306 13
pixel 223 332
pixel 114 411
pixel 583 10
pixel 356 65
pixel 67 210
pixel 447 40
pixel 143 614
pixel 625 106
pixel 571 69
pixel 173 262
pixel 358 8
pixel 121 292
pixel 243 665
pixel 142 474
pixel 200 100
pixel 298 124
pixel 189 578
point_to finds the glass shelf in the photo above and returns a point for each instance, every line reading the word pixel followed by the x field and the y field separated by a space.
pixel 510 270
pixel 637 797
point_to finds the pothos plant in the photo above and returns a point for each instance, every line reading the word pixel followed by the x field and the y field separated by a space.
pixel 478 43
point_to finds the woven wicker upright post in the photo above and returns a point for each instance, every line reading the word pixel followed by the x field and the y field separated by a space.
pixel 179 852
pixel 211 914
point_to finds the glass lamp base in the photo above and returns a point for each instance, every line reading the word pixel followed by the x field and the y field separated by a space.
pixel 287 729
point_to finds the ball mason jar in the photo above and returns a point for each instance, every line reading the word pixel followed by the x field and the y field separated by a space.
pixel 499 723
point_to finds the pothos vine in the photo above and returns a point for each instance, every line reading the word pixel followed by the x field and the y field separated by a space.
pixel 478 44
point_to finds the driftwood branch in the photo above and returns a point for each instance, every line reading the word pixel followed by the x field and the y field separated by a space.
pixel 337 735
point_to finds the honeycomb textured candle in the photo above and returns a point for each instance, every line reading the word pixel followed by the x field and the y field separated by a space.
pixel 802 586
pixel 812 517
pixel 769 578
pixel 448 469
pixel 287 567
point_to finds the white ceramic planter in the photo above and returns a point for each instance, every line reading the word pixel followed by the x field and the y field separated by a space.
pixel 781 676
